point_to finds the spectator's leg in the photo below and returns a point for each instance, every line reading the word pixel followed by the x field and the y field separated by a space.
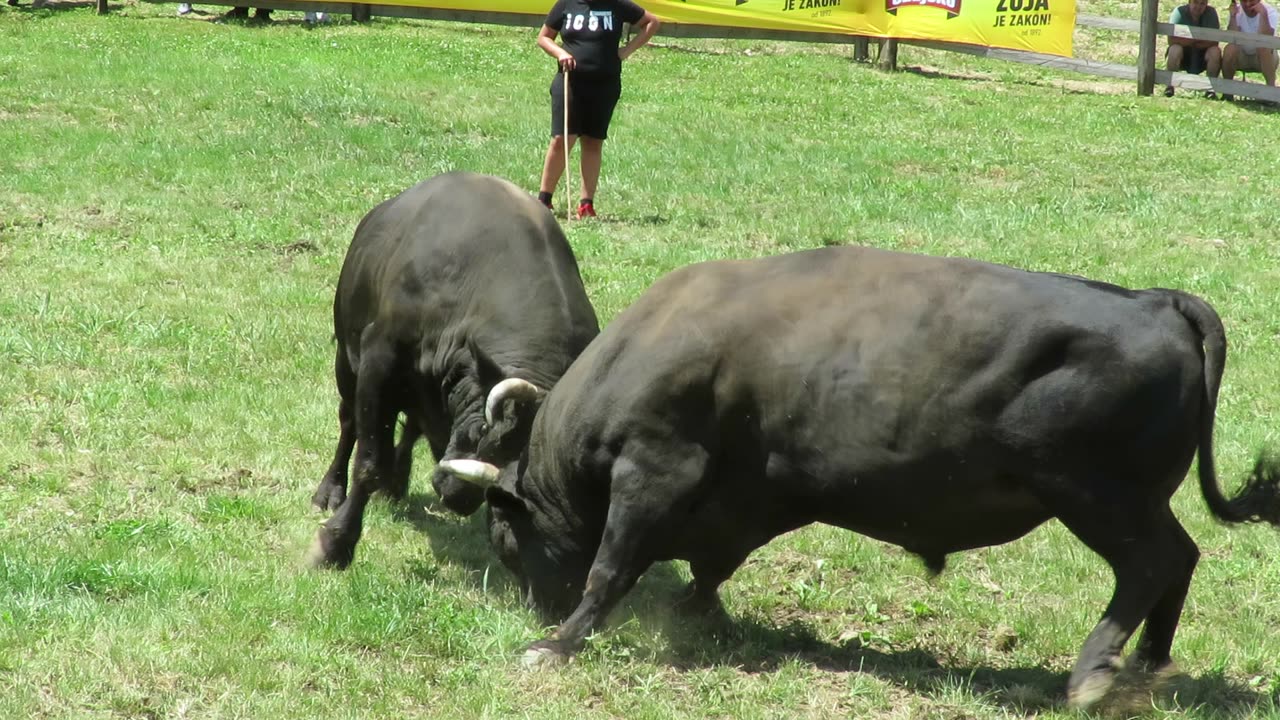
pixel 1267 65
pixel 1213 61
pixel 1173 63
pixel 592 152
pixel 1230 58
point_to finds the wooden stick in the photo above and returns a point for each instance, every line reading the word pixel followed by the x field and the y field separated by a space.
pixel 568 186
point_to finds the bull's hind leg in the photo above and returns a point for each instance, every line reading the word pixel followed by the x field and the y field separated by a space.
pixel 398 483
pixel 1157 634
pixel 1152 560
pixel 376 411
pixel 651 490
pixel 332 490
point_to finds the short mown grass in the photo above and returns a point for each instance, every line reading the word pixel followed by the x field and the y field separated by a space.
pixel 176 197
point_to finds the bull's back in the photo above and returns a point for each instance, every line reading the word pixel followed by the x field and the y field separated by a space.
pixel 462 246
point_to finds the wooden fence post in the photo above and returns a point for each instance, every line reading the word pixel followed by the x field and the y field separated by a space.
pixel 1147 47
pixel 889 54
pixel 861 48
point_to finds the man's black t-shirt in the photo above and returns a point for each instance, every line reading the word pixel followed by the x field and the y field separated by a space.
pixel 592 30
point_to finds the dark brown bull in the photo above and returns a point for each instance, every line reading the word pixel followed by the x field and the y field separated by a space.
pixel 459 301
pixel 939 404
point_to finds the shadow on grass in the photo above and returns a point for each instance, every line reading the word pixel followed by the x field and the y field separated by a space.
pixel 59 5
pixel 464 542
pixel 758 648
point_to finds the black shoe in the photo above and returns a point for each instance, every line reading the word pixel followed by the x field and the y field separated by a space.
pixel 1228 97
pixel 1210 95
pixel 262 14
pixel 239 13
pixel 1168 91
pixel 13 3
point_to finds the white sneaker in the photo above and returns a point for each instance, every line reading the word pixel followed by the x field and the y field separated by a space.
pixel 315 17
pixel 184 8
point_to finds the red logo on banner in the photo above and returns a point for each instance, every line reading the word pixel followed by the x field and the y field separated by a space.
pixel 951 6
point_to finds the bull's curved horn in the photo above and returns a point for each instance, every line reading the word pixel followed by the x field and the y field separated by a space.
pixel 513 388
pixel 476 472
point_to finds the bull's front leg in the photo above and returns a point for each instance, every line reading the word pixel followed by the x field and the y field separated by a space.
pixel 335 543
pixel 646 500
pixel 614 572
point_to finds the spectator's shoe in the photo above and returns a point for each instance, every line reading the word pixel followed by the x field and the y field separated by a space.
pixel 315 17
pixel 238 13
pixel 586 210
pixel 262 15
pixel 1228 97
pixel 13 3
pixel 1210 95
pixel 184 8
pixel 1168 91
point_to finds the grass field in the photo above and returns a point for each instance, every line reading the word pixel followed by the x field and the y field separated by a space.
pixel 176 197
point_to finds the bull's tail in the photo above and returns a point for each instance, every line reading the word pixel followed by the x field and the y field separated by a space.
pixel 1259 499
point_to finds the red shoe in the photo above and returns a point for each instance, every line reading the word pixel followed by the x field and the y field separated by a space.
pixel 586 210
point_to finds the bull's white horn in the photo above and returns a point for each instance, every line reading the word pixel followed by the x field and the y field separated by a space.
pixel 514 388
pixel 477 472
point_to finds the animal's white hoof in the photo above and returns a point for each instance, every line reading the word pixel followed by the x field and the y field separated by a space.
pixel 542 658
pixel 1089 692
pixel 314 557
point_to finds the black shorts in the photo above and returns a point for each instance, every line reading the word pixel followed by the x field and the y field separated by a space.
pixel 591 103
pixel 1193 60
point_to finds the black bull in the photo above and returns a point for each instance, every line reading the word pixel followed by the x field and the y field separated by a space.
pixel 939 404
pixel 459 301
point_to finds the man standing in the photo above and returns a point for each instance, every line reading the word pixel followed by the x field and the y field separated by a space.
pixel 591 31
pixel 1257 18
pixel 1189 54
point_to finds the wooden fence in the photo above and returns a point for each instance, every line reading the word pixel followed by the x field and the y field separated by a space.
pixel 1144 73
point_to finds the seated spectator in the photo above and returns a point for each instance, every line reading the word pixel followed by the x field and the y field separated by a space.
pixel 1257 18
pixel 1189 54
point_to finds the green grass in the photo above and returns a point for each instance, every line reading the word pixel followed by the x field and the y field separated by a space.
pixel 175 200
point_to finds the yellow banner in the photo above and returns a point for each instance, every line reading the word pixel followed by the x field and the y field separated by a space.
pixel 1043 26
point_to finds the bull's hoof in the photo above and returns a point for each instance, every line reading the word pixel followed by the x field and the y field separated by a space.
pixel 702 606
pixel 543 655
pixel 397 488
pixel 329 496
pixel 324 555
pixel 1086 693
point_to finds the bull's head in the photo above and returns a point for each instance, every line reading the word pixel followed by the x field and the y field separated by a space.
pixel 509 408
pixel 550 567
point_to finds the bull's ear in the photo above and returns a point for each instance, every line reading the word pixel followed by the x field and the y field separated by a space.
pixel 503 495
pixel 486 369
